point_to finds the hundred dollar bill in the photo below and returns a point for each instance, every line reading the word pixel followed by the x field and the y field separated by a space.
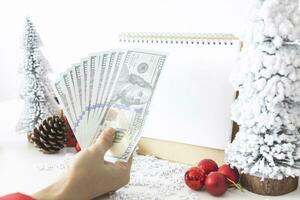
pixel 90 74
pixel 99 73
pixel 112 81
pixel 61 93
pixel 110 89
pixel 129 101
pixel 109 85
pixel 93 62
pixel 67 86
pixel 75 81
pixel 71 75
pixel 105 83
pixel 97 59
pixel 84 67
pixel 68 103
pixel 86 128
pixel 78 89
pixel 106 66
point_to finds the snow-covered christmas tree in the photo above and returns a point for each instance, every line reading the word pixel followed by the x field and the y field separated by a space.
pixel 36 90
pixel 268 81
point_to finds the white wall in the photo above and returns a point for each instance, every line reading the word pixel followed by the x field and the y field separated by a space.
pixel 72 29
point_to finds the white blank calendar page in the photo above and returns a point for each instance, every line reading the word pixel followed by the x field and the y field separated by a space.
pixel 192 101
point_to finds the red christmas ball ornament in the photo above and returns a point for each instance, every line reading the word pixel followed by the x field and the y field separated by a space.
pixel 216 184
pixel 78 147
pixel 195 178
pixel 71 139
pixel 231 173
pixel 208 165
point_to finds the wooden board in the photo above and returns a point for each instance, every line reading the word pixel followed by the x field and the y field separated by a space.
pixel 269 187
pixel 178 152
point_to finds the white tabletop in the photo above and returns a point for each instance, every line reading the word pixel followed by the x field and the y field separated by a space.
pixel 24 169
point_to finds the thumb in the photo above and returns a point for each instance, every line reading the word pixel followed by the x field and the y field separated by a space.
pixel 104 141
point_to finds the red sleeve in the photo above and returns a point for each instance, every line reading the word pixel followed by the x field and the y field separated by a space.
pixel 16 196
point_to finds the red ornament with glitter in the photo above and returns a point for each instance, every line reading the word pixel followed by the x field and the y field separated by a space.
pixel 231 173
pixel 208 165
pixel 195 178
pixel 216 184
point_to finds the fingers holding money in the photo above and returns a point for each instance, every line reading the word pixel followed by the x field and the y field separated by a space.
pixel 104 141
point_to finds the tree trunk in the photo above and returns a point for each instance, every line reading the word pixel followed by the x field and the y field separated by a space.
pixel 269 187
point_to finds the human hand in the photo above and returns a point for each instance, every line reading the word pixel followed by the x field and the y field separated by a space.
pixel 90 175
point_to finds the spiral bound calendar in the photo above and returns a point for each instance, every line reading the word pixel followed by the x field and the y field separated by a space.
pixel 193 100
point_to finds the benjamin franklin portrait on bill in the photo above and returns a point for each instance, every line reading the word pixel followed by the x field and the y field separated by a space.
pixel 136 91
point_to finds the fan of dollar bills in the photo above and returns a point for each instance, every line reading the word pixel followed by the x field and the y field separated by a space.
pixel 110 89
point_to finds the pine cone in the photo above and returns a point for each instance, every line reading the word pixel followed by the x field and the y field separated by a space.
pixel 50 135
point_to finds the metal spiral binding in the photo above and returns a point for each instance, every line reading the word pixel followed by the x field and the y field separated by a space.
pixel 179 38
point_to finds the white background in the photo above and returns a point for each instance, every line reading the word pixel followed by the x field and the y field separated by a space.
pixel 72 29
